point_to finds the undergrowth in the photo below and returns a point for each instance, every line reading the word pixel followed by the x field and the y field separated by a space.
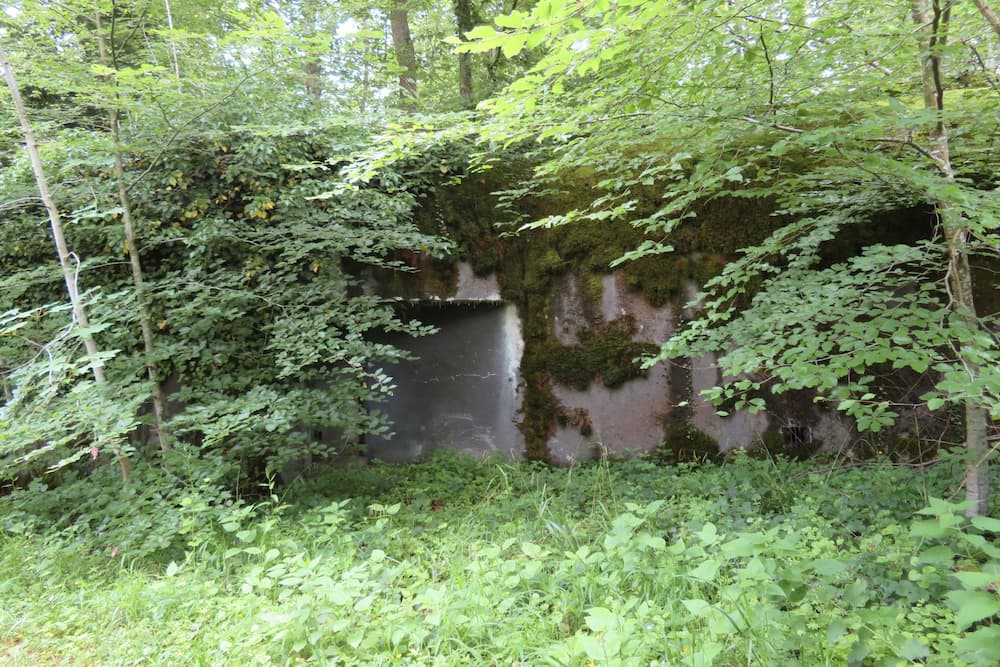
pixel 455 562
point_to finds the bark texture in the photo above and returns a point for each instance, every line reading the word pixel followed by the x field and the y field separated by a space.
pixel 464 21
pixel 312 68
pixel 406 56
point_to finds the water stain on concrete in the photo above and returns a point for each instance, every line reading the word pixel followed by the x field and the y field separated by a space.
pixel 463 390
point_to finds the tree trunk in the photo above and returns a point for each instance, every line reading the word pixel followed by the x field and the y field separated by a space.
pixel 932 25
pixel 406 56
pixel 313 68
pixel 66 259
pixel 991 16
pixel 463 19
pixel 173 44
pixel 135 263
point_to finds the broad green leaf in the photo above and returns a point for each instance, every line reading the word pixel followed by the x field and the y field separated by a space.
pixel 981 647
pixel 973 606
pixel 986 523
pixel 601 619
pixel 706 570
pixel 513 44
pixel 516 19
pixel 697 608
pixel 914 650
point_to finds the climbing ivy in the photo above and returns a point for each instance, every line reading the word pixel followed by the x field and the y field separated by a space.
pixel 257 287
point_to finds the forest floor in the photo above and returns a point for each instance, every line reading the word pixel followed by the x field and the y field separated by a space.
pixel 455 562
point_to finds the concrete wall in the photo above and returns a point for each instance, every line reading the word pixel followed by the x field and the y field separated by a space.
pixel 465 389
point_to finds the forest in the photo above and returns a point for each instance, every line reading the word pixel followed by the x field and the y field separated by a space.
pixel 213 215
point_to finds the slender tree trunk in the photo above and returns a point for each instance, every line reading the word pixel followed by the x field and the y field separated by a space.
pixel 66 259
pixel 991 16
pixel 173 44
pixel 932 24
pixel 463 20
pixel 135 263
pixel 406 56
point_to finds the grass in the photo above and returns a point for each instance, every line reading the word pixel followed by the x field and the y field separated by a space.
pixel 454 562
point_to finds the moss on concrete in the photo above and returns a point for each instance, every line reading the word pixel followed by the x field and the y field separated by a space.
pixel 683 443
pixel 530 267
pixel 786 443
pixel 606 353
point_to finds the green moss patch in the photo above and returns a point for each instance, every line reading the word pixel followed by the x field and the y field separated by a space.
pixel 683 443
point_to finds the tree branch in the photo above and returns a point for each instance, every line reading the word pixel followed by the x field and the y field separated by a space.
pixel 777 126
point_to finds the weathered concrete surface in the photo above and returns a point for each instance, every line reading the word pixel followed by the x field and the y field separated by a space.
pixel 738 429
pixel 653 325
pixel 463 392
pixel 835 433
pixel 631 419
pixel 569 310
pixel 623 421
pixel 476 288
pixel 626 420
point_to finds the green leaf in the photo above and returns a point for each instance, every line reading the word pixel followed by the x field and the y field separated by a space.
pixel 516 19
pixel 708 534
pixel 697 608
pixel 986 524
pixel 734 174
pixel 246 535
pixel 973 606
pixel 591 646
pixel 532 550
pixel 981 647
pixel 941 554
pixel 482 32
pixel 978 580
pixel 746 544
pixel 601 619
pixel 536 37
pixel 706 571
pixel 835 631
pixel 513 44
pixel 913 649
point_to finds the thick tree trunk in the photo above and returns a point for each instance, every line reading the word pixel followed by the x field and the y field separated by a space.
pixel 65 257
pixel 313 68
pixel 406 56
pixel 135 263
pixel 463 20
pixel 932 24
